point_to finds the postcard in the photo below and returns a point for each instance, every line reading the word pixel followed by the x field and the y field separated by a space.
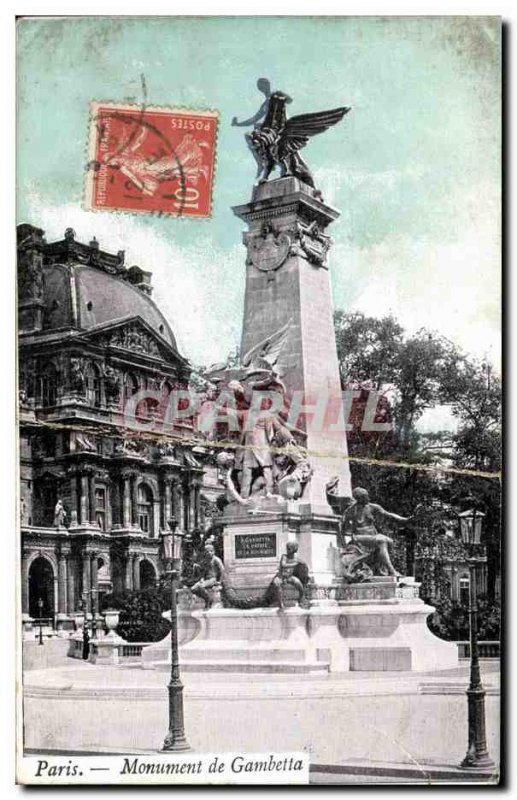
pixel 259 400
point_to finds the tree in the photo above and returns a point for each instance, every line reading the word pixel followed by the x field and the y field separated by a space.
pixel 367 346
pixel 141 613
pixel 412 374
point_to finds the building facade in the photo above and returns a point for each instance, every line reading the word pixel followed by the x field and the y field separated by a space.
pixel 94 496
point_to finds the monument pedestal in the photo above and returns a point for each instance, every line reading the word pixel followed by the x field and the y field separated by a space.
pixel 288 283
pixel 362 633
pixel 255 540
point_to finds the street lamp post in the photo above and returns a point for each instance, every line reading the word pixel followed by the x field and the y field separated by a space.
pixel 175 740
pixel 40 608
pixel 86 637
pixel 477 756
pixel 94 621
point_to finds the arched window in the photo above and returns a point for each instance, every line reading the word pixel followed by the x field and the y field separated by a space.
pixel 145 509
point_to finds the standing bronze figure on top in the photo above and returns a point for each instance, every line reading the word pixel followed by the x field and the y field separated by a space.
pixel 277 140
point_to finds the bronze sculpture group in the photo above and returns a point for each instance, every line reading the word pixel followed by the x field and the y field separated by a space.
pixel 364 554
pixel 208 579
pixel 267 460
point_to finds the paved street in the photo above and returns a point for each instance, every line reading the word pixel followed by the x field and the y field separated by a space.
pixel 395 718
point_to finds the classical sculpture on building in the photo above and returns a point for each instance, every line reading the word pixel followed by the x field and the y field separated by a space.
pixel 59 515
pixel 277 140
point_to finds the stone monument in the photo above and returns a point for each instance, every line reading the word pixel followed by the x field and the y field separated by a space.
pixel 276 479
pixel 298 591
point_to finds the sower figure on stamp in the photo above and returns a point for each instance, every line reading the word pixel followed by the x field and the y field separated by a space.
pixel 291 571
pixel 367 547
pixel 211 570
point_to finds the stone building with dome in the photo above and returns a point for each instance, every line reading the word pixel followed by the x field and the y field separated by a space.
pixel 94 498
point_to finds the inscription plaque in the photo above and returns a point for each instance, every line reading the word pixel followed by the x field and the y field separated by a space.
pixel 255 545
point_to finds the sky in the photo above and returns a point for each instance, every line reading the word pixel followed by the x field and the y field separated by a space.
pixel 414 168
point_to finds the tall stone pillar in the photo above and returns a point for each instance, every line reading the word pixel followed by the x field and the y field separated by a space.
pixel 95 582
pixel 87 584
pixel 134 502
pixel 85 504
pixel 74 510
pixel 129 572
pixel 62 584
pixel 115 502
pixel 126 503
pixel 193 515
pixel 25 581
pixel 71 585
pixel 167 502
pixel 91 489
pixel 178 505
pixel 136 573
pixel 108 513
pixel 287 282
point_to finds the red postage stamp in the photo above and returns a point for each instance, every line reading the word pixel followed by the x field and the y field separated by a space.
pixel 151 160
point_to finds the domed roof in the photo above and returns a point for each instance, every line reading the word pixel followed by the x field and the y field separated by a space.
pixel 102 298
pixel 85 287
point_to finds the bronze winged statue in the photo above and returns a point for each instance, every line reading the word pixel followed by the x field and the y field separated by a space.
pixel 277 140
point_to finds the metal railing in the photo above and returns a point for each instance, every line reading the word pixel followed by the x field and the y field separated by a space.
pixel 485 649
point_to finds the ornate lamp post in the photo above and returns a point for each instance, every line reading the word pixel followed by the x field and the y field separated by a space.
pixel 94 620
pixel 86 636
pixel 40 608
pixel 477 753
pixel 175 740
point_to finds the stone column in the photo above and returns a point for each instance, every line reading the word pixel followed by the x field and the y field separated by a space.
pixel 73 499
pixel 87 585
pixel 134 504
pixel 56 606
pixel 197 501
pixel 95 583
pixel 167 502
pixel 25 581
pixel 108 512
pixel 136 573
pixel 179 506
pixel 192 506
pixel 62 584
pixel 71 585
pixel 91 486
pixel 129 572
pixel 126 506
pixel 84 499
pixel 115 502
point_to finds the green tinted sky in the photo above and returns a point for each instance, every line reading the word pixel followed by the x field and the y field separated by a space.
pixel 414 168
